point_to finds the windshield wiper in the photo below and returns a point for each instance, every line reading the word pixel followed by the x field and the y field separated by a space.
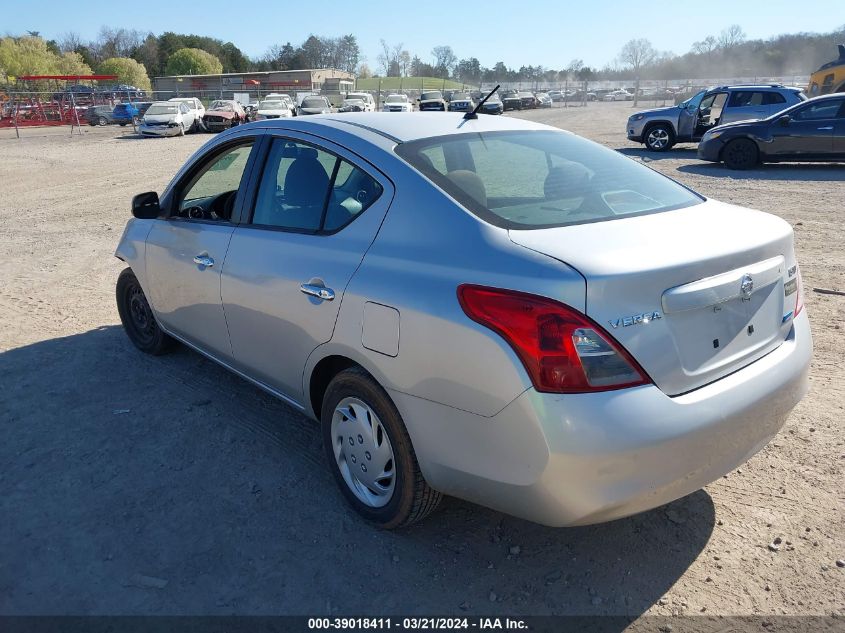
pixel 473 115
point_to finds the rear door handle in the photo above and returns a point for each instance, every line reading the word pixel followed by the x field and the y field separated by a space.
pixel 321 292
pixel 828 127
pixel 204 260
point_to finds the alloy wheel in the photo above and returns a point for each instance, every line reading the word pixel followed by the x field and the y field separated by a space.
pixel 658 138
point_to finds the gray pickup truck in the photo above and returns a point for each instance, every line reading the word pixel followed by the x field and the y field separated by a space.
pixel 687 122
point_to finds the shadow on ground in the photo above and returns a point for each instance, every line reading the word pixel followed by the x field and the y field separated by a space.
pixel 140 485
pixel 647 156
pixel 806 172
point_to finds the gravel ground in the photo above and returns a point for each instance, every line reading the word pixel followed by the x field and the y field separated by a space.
pixel 138 485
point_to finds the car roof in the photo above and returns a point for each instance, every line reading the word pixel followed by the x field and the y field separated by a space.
pixel 411 126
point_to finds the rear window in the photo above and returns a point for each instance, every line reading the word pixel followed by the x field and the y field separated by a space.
pixel 430 95
pixel 313 102
pixel 541 179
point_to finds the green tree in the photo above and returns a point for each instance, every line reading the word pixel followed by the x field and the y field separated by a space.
pixel 26 56
pixel 128 71
pixel 72 64
pixel 193 61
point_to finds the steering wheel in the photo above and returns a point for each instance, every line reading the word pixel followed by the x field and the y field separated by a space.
pixel 195 213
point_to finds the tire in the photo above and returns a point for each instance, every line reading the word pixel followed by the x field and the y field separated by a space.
pixel 137 317
pixel 741 153
pixel 403 496
pixel 102 121
pixel 659 138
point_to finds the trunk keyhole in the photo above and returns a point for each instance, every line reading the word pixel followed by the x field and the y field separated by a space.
pixel 715 343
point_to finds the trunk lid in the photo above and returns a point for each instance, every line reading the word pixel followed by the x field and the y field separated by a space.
pixel 693 294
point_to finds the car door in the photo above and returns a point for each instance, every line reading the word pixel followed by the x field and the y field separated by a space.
pixel 313 212
pixel 808 131
pixel 185 251
pixel 710 112
pixel 744 104
pixel 839 134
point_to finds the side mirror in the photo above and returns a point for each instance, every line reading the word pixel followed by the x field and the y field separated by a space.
pixel 145 206
pixel 784 120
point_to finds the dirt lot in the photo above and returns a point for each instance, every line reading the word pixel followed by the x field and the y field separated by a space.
pixel 138 485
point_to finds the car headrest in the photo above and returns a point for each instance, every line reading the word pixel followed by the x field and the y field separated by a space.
pixel 305 177
pixel 566 181
pixel 469 183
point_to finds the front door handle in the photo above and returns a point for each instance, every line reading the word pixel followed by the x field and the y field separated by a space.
pixel 321 292
pixel 829 127
pixel 204 260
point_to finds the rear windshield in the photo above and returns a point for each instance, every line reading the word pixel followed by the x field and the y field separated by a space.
pixel 313 102
pixel 426 96
pixel 541 179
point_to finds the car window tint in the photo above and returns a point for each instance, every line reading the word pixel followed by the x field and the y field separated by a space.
pixel 745 98
pixel 773 98
pixel 294 186
pixel 547 178
pixel 222 174
pixel 818 111
pixel 353 192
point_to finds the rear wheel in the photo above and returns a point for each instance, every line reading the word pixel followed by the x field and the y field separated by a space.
pixel 137 316
pixel 659 138
pixel 741 153
pixel 370 453
pixel 102 121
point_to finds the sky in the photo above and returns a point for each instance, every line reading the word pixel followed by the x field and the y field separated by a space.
pixel 550 33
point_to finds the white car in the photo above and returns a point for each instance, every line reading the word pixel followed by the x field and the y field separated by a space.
pixel 283 96
pixel 619 95
pixel 167 118
pixel 196 107
pixel 273 108
pixel 366 97
pixel 397 103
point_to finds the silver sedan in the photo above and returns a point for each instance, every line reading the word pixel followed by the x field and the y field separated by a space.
pixel 481 307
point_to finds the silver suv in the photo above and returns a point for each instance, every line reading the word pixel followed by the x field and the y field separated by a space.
pixel 659 129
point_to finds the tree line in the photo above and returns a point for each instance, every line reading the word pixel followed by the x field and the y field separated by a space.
pixel 135 56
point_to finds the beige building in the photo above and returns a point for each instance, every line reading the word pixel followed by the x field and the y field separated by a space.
pixel 254 83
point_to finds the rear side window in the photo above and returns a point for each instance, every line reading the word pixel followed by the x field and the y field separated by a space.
pixel 539 179
pixel 307 189
pixel 773 98
pixel 745 98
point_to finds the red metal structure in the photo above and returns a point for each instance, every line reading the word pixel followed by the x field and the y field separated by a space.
pixel 56 107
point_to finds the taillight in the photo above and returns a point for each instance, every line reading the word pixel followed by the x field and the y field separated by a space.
pixel 562 349
pixel 799 296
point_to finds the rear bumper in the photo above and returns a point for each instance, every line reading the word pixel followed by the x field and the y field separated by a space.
pixel 586 458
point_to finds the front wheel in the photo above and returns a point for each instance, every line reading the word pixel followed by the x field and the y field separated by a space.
pixel 659 138
pixel 102 121
pixel 370 453
pixel 741 153
pixel 137 316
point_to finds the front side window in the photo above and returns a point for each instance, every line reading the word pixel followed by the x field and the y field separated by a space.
pixel 307 189
pixel 210 193
pixel 819 111
pixel 539 179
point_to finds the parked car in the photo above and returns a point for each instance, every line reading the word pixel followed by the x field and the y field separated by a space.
pixel 493 105
pixel 397 103
pixel 556 95
pixel 281 96
pixel 543 100
pixel 527 100
pixel 223 114
pixel 431 100
pixel 314 104
pixel 197 110
pixel 126 113
pixel 511 101
pixel 619 95
pixel 122 91
pixel 168 118
pixel 352 105
pixel 813 130
pixel 366 97
pixel 100 115
pixel 659 129
pixel 461 102
pixel 273 108
pixel 531 350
